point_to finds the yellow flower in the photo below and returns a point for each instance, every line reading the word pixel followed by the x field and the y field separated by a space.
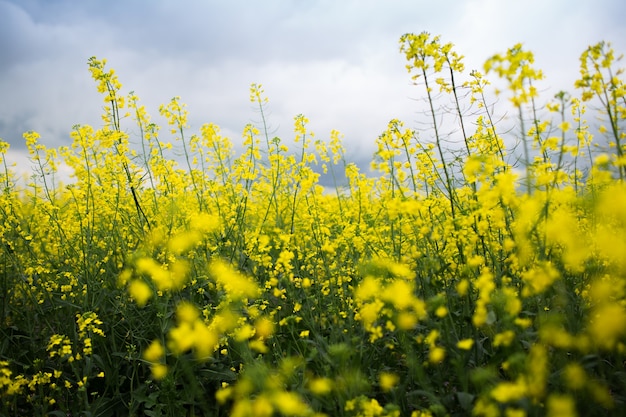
pixel 178 272
pixel 607 324
pixel 462 287
pixel 60 345
pixel 204 223
pixel 509 391
pixel 436 355
pixel 289 403
pixel 561 406
pixel 262 407
pixel 245 332
pixel 223 394
pixel 432 337
pixel 523 322
pixel 321 386
pixel 441 311
pixel 539 278
pixel 472 168
pixel 602 159
pixel 159 371
pixel 181 338
pixel 154 352
pixel 376 332
pixel 406 320
pixel 387 381
pixel 485 286
pixel 187 312
pixel 564 126
pixel 237 285
pixel 369 312
pixel 574 376
pixel 82 382
pixel 537 370
pixel 205 339
pixel 139 291
pixel 87 348
pixel 88 322
pixel 368 288
pixel 264 327
pixel 465 344
pixel 514 412
pixel 400 293
pixel 258 345
pixel 421 413
pixel 152 268
pixel 184 241
pixel 504 339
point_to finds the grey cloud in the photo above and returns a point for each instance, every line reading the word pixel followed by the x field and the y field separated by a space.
pixel 18 36
pixel 335 61
pixel 213 30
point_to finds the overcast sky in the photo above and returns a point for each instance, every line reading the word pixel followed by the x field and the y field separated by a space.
pixel 335 61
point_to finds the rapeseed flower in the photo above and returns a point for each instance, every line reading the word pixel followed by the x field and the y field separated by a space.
pixel 465 344
pixel 399 293
pixel 388 381
pixel 607 325
pixel 258 345
pixel 436 355
pixel 504 339
pixel 574 376
pixel 244 333
pixel 406 320
pixel 290 404
pixel 538 279
pixel 159 371
pixel 183 242
pixel 236 285
pixel 320 386
pixel 139 291
pixel 181 338
pixel 154 352
pixel 506 392
pixel 264 327
pixel 485 286
pixel 561 406
pixel 89 322
pixel 537 371
pixel 262 406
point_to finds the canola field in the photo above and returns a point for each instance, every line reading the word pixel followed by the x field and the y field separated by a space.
pixel 473 270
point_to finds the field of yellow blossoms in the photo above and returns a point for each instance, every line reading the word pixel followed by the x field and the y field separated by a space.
pixel 474 270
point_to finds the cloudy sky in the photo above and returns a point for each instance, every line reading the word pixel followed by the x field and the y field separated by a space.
pixel 335 61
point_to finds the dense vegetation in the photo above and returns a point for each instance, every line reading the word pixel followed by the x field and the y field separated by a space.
pixel 472 271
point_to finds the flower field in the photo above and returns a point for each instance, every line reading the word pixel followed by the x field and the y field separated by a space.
pixel 473 270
